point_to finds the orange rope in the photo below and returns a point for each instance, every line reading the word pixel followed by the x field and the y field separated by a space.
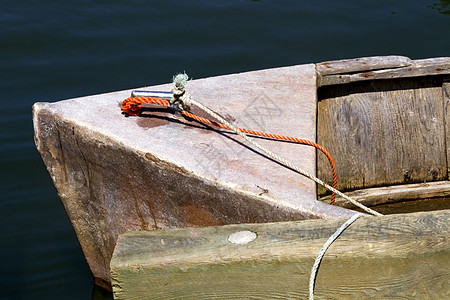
pixel 133 107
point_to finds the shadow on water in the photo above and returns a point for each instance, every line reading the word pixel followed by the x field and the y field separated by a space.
pixel 100 294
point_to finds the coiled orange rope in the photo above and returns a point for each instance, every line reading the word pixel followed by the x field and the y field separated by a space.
pixel 133 107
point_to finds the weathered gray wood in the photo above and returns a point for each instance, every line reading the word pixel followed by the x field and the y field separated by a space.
pixel 345 66
pixel 397 256
pixel 383 132
pixel 426 67
pixel 117 174
pixel 446 99
pixel 392 194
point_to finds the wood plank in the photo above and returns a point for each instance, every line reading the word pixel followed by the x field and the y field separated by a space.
pixel 345 66
pixel 446 100
pixel 397 256
pixel 383 132
pixel 426 67
pixel 392 194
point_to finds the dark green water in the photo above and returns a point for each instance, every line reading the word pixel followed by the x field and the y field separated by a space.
pixel 54 50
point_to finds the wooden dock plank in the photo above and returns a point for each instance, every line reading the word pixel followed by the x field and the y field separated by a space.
pixel 390 256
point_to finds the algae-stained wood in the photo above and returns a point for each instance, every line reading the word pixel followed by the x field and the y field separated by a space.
pixel 383 132
pixel 397 256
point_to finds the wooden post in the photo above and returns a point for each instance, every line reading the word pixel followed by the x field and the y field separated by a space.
pixel 446 100
pixel 402 256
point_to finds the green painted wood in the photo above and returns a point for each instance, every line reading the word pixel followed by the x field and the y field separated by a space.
pixel 397 256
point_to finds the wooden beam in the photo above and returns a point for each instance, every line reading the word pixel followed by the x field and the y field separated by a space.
pixel 393 194
pixel 345 66
pixel 396 256
pixel 424 67
pixel 446 100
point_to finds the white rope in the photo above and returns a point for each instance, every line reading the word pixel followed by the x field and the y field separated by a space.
pixel 280 159
pixel 183 99
pixel 319 257
pixel 181 95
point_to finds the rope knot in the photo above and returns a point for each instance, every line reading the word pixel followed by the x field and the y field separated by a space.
pixel 180 97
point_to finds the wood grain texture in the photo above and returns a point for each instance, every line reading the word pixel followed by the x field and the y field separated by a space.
pixel 397 256
pixel 424 67
pixel 393 194
pixel 345 66
pixel 116 174
pixel 383 132
pixel 446 99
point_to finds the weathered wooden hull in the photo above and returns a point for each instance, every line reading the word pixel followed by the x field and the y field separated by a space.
pixel 116 174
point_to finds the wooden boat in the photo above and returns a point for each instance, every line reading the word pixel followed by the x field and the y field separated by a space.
pixel 383 119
